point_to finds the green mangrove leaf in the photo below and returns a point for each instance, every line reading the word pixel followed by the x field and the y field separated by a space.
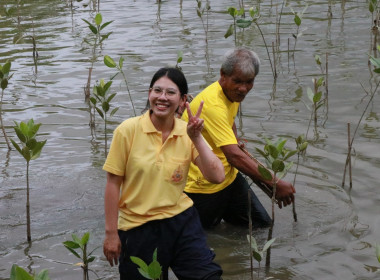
pixel 229 32
pixel 31 143
pixel 109 62
pixel 265 173
pixel 100 112
pixel 109 99
pixel 107 86
pixel 6 68
pixel 154 270
pixel 199 13
pixel 303 146
pixel 258 256
pixel 140 263
pixel 290 154
pixel 18 273
pixel 85 238
pixel 261 152
pixel 16 146
pixel 268 244
pixel 92 27
pixel 71 244
pixel 73 252
pixel 297 19
pixel 278 165
pixel 98 19
pixel 318 59
pixel 310 94
pixel 105 106
pixel 105 25
pixel 93 100
pixel 20 134
pixel 4 84
pixel 317 97
pixel 26 153
pixel 377 70
pixel 272 150
pixel 253 242
pixel 77 239
pixel 375 61
pixel 91 259
pixel 320 81
pixel 121 61
pixel 378 252
pixel 243 23
pixel 232 11
pixel 42 275
pixel 114 111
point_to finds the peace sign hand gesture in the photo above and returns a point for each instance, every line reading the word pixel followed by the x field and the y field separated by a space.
pixel 195 124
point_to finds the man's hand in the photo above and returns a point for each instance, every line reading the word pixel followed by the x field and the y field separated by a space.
pixel 112 248
pixel 284 193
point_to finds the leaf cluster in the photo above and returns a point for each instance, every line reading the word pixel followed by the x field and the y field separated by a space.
pixel 95 29
pixel 18 273
pixel 101 94
pixel 4 75
pixel 258 254
pixel 151 271
pixel 201 10
pixel 298 20
pixel 275 155
pixel 26 133
pixel 316 96
pixel 232 11
pixel 373 5
pixel 301 143
pixel 80 243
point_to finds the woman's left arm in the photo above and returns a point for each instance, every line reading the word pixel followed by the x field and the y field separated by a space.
pixel 208 163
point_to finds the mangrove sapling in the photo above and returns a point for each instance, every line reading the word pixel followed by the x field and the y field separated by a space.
pixel 30 149
pixel 97 40
pixel 86 258
pixel 301 149
pixel 101 94
pixel 109 62
pixel 275 155
pixel 317 102
pixel 257 253
pixel 179 60
pixel 200 12
pixel 152 271
pixel 232 11
pixel 18 273
pixel 297 21
pixel 373 9
pixel 4 80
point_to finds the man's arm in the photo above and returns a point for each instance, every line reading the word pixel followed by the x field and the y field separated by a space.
pixel 241 161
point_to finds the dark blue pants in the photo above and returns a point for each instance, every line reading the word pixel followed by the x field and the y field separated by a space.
pixel 181 245
pixel 231 205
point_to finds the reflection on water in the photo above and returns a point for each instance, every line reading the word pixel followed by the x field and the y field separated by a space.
pixel 337 227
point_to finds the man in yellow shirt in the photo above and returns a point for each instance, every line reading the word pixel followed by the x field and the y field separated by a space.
pixel 229 200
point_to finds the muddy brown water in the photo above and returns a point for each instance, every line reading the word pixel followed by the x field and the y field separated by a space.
pixel 337 228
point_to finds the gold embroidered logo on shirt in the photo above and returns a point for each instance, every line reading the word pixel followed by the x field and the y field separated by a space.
pixel 177 174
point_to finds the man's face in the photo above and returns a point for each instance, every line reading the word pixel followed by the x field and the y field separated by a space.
pixel 237 85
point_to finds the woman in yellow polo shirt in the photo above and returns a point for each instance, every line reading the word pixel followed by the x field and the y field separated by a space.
pixel 147 166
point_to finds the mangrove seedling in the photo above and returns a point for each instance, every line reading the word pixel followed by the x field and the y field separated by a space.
pixel 373 7
pixel 200 12
pixel 275 155
pixel 232 11
pixel 297 20
pixel 80 244
pixel 98 39
pixel 101 94
pixel 30 149
pixel 4 78
pixel 179 60
pixel 315 96
pixel 18 273
pixel 109 62
pixel 152 271
pixel 258 254
pixel 301 144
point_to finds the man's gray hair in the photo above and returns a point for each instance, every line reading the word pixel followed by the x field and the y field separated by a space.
pixel 246 60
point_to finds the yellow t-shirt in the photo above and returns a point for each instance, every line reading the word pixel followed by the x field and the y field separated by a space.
pixel 219 115
pixel 154 173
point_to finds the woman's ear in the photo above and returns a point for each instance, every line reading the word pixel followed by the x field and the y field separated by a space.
pixel 182 105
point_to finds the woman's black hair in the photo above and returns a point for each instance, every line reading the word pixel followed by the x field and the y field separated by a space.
pixel 175 75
